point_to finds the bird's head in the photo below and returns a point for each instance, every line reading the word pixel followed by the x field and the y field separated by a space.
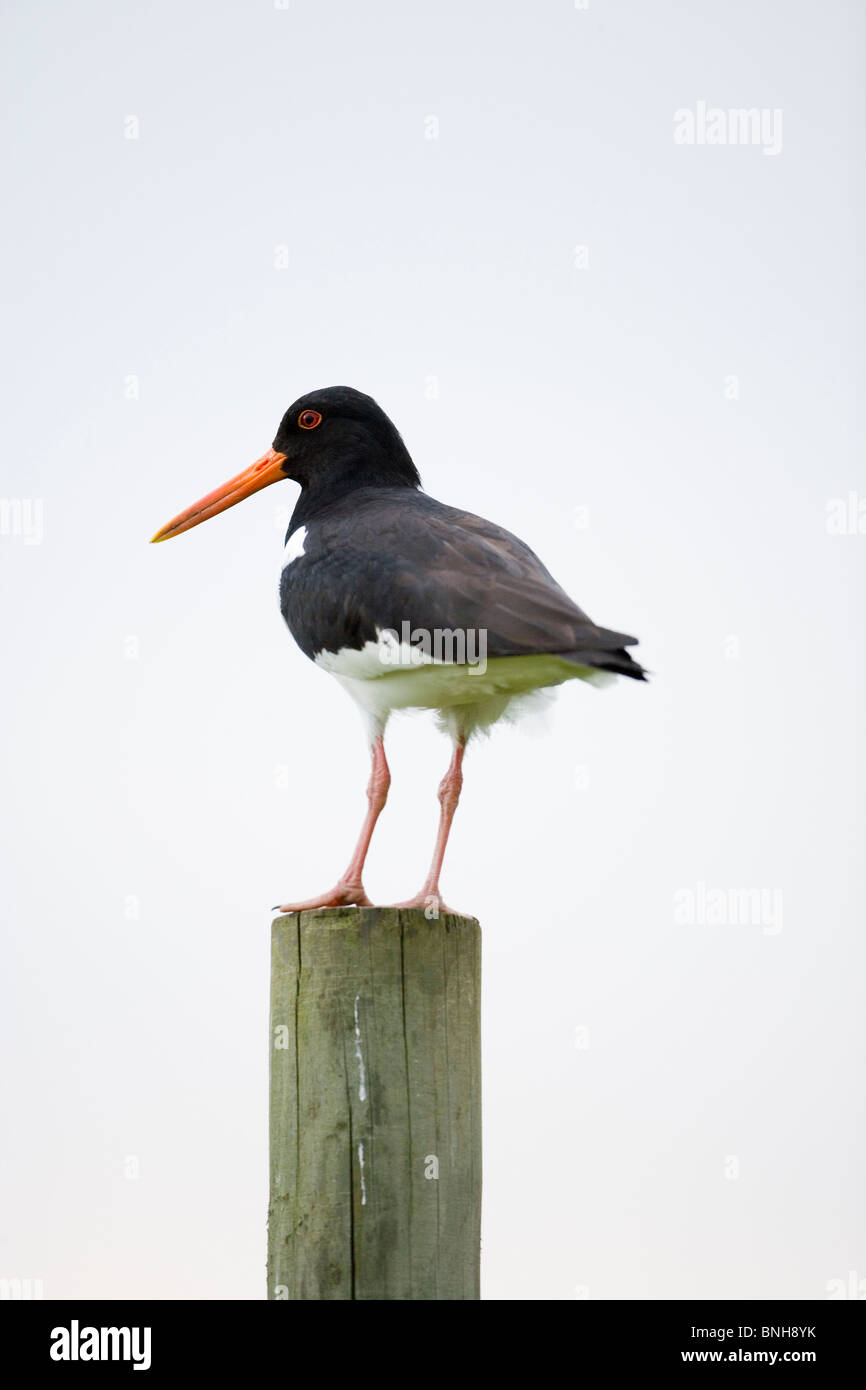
pixel 330 441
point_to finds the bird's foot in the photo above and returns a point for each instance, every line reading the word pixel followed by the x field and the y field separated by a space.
pixel 430 903
pixel 343 894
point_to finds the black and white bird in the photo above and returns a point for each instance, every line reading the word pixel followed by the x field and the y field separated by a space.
pixel 410 604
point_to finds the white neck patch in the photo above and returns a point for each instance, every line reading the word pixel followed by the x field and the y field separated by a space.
pixel 294 546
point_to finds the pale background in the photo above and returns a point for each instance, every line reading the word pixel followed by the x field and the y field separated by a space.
pixel 670 1110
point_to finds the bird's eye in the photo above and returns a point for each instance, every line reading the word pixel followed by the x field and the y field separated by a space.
pixel 308 419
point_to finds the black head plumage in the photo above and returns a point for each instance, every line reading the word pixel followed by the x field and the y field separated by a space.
pixel 337 439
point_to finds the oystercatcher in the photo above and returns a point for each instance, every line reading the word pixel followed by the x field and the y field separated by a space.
pixel 407 602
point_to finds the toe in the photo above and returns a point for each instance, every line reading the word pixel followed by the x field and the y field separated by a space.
pixel 343 895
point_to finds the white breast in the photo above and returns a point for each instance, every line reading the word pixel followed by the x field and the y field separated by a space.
pixel 294 546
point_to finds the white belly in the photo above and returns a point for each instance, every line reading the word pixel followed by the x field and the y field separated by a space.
pixel 469 698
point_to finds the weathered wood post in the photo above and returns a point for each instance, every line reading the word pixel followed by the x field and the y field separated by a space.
pixel 375 1095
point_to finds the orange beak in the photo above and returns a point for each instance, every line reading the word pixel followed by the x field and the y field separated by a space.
pixel 266 470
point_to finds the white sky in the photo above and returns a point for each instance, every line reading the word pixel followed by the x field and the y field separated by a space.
pixel 167 751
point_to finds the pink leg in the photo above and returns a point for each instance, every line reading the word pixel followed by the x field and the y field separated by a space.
pixel 350 888
pixel 449 795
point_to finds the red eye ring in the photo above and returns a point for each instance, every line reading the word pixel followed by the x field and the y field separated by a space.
pixel 308 419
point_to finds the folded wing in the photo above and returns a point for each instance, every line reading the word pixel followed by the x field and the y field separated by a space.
pixel 404 557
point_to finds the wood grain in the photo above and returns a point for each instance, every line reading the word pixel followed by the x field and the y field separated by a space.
pixel 375 1121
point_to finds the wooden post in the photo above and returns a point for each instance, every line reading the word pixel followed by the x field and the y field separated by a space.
pixel 375 1123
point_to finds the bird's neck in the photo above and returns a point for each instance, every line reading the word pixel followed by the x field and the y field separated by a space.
pixel 338 484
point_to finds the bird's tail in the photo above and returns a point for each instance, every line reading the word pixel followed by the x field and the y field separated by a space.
pixel 606 651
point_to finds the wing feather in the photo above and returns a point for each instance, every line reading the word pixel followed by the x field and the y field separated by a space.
pixel 396 555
